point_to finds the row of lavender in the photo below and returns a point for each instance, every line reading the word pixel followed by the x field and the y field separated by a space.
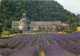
pixel 52 44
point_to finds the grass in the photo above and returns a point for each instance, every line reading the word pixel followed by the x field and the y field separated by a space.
pixel 41 53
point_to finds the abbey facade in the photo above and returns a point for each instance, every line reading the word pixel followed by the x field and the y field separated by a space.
pixel 26 25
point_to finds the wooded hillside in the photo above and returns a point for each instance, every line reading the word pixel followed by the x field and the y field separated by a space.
pixel 12 10
pixel 35 10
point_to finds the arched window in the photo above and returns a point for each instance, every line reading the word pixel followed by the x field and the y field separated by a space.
pixel 24 16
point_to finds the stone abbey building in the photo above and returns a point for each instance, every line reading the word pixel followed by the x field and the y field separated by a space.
pixel 26 25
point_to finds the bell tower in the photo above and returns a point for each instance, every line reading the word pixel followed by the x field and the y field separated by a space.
pixel 24 23
pixel 24 15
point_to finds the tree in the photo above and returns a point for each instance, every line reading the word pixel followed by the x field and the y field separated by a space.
pixel 61 28
pixel 1 26
pixel 69 30
pixel 75 25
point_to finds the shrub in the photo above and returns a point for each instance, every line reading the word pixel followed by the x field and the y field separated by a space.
pixel 5 33
pixel 12 31
pixel 69 30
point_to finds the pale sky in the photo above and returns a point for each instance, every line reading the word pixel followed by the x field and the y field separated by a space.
pixel 71 5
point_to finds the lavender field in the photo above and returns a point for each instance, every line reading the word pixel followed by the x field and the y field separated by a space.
pixel 41 44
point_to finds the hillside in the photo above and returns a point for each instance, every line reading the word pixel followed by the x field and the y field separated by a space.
pixel 35 10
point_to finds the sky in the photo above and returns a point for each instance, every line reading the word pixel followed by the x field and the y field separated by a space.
pixel 71 5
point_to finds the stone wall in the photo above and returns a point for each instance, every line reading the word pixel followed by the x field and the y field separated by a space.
pixel 38 25
pixel 15 25
pixel 48 23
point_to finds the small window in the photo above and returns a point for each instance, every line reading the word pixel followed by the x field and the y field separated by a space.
pixel 24 16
